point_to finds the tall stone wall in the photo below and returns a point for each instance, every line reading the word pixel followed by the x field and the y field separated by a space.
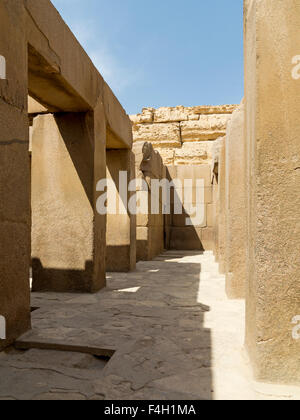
pixel 14 175
pixel 61 203
pixel 186 139
pixel 235 207
pixel 272 101
pixel 150 227
pixel 183 136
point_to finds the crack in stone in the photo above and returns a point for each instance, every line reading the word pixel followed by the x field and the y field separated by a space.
pixel 12 105
pixel 13 141
pixel 47 40
pixel 31 368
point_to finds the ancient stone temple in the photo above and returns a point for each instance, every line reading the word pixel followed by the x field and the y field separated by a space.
pixel 206 192
pixel 77 120
pixel 185 138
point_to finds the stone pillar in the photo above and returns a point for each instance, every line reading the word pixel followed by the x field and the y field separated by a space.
pixel 235 209
pixel 272 92
pixel 169 174
pixel 215 216
pixel 99 174
pixel 14 176
pixel 67 235
pixel 121 227
pixel 150 227
pixel 215 194
pixel 221 209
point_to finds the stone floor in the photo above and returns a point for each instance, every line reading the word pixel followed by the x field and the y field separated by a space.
pixel 168 326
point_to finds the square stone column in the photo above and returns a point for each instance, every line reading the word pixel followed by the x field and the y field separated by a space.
pixel 121 227
pixel 68 236
pixel 272 92
pixel 221 208
pixel 99 133
pixel 215 167
pixel 236 215
pixel 150 227
pixel 14 175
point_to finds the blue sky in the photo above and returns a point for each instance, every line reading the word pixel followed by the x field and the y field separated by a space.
pixel 163 52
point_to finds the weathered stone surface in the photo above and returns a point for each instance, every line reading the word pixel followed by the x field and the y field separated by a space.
pixel 44 60
pixel 187 238
pixel 216 151
pixel 170 130
pixel 146 116
pixel 194 172
pixel 150 227
pixel 208 238
pixel 220 209
pixel 163 115
pixel 182 235
pixel 176 336
pixel 162 135
pixel 196 153
pixel 14 175
pixel 236 213
pixel 214 208
pixel 121 227
pixel 62 213
pixel 179 113
pixel 167 155
pixel 209 127
pixel 273 155
pixel 209 110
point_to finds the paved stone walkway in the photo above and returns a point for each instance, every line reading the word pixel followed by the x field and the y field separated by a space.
pixel 171 331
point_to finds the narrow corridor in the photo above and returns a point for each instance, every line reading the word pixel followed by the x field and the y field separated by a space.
pixel 168 326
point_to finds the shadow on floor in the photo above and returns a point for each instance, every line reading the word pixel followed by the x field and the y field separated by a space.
pixel 152 317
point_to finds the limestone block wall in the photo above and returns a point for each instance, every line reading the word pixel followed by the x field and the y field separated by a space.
pixel 198 235
pixel 186 140
pixel 183 136
pixel 150 227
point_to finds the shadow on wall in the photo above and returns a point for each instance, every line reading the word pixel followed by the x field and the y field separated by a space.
pixel 120 227
pixel 179 236
pixel 74 130
pixel 61 280
pixel 62 183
